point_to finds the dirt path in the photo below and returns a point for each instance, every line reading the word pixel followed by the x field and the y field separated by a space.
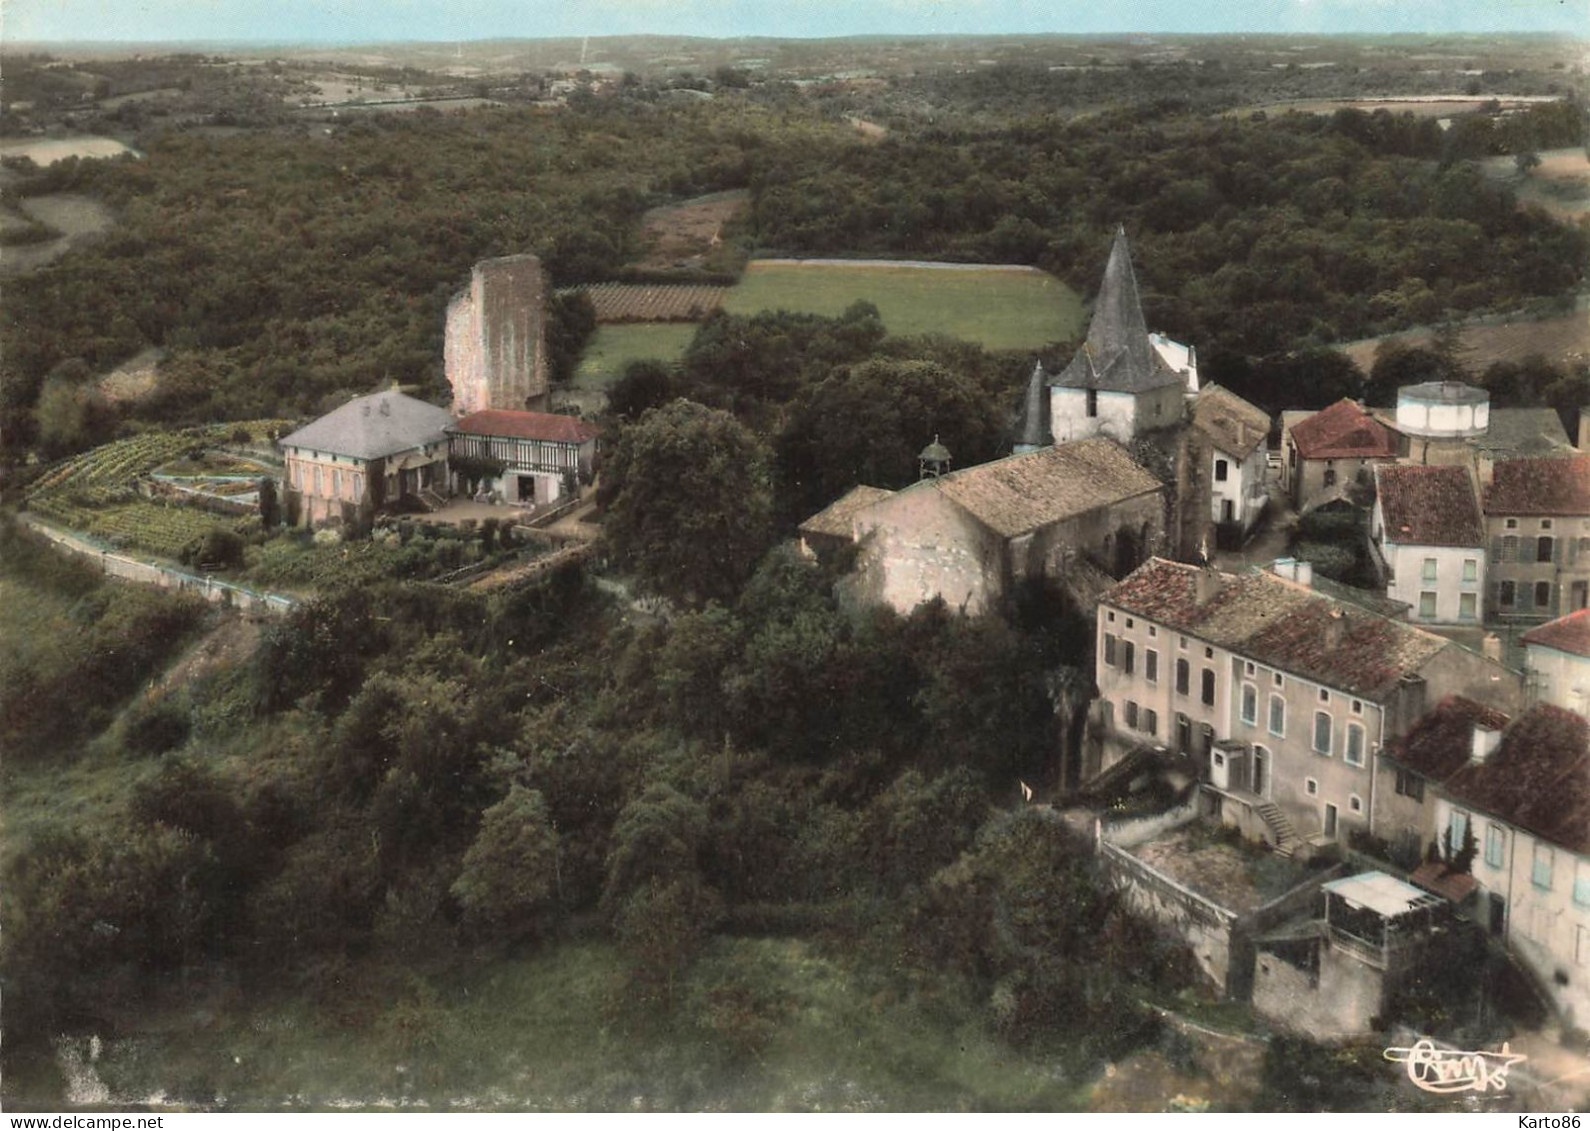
pixel 230 643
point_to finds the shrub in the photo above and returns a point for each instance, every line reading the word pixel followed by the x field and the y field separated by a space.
pixel 153 727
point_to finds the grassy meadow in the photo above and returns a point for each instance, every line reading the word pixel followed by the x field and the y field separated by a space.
pixel 998 308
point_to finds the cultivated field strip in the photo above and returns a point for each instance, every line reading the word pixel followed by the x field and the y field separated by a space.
pixel 661 302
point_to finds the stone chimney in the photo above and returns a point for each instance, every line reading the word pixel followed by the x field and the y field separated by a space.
pixel 1485 467
pixel 1207 585
pixel 1484 744
pixel 1336 628
pixel 1492 647
pixel 1584 429
pixel 1304 573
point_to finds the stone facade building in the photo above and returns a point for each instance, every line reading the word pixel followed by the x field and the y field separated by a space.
pixel 1557 658
pixel 371 452
pixel 1074 514
pixel 1284 696
pixel 495 352
pixel 1221 491
pixel 1520 788
pixel 1323 453
pixel 1428 540
pixel 1119 384
pixel 1537 517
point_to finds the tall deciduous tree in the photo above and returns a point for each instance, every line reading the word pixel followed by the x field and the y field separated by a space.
pixel 511 869
pixel 690 508
pixel 866 424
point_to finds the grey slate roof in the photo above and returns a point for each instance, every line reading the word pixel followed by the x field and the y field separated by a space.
pixel 1117 355
pixel 1033 429
pixel 381 424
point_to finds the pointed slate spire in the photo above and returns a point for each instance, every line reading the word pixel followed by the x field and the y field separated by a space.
pixel 1032 428
pixel 1117 354
pixel 1118 312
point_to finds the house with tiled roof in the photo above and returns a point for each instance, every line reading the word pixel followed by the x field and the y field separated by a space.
pixel 530 458
pixel 1329 449
pixel 1520 788
pixel 1537 517
pixel 1083 510
pixel 1223 464
pixel 1428 541
pixel 372 452
pixel 1282 694
pixel 1119 383
pixel 1557 658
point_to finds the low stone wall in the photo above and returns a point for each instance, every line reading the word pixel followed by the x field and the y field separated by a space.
pixel 113 564
pixel 1204 925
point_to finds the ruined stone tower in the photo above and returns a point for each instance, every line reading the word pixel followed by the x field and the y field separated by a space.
pixel 496 337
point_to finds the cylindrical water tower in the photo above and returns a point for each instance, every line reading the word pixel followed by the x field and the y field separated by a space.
pixel 1443 410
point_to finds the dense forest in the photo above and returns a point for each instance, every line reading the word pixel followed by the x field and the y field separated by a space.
pixel 284 269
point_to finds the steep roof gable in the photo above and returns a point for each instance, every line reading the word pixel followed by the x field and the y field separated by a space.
pixel 1117 355
pixel 1345 430
pixel 381 424
pixel 1233 425
pixel 1429 506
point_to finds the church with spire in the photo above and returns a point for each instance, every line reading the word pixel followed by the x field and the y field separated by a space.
pixel 1122 382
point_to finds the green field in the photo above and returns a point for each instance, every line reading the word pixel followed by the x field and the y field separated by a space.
pixel 615 345
pixel 1001 309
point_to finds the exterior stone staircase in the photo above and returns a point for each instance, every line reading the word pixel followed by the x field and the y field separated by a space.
pixel 431 500
pixel 1280 826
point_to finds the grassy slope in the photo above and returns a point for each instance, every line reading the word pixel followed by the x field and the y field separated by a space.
pixel 614 346
pixel 1002 310
pixel 555 1030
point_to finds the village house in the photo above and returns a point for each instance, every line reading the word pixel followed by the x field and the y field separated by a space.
pixel 495 352
pixel 1221 470
pixel 1075 514
pixel 533 458
pixel 1119 384
pixel 1325 452
pixel 1284 695
pixel 1557 658
pixel 1537 517
pixel 1332 977
pixel 1517 792
pixel 1428 540
pixel 372 452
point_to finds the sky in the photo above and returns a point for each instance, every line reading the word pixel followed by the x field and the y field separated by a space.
pixel 366 21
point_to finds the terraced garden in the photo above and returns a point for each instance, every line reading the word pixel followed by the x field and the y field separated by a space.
pixel 95 493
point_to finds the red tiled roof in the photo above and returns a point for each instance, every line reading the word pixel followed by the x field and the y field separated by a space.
pixel 1538 779
pixel 1280 623
pixel 1429 506
pixel 1566 634
pixel 1345 430
pixel 525 426
pixel 1438 745
pixel 1540 486
pixel 1433 876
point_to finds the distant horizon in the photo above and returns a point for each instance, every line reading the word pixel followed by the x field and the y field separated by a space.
pixel 261 23
pixel 7 43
